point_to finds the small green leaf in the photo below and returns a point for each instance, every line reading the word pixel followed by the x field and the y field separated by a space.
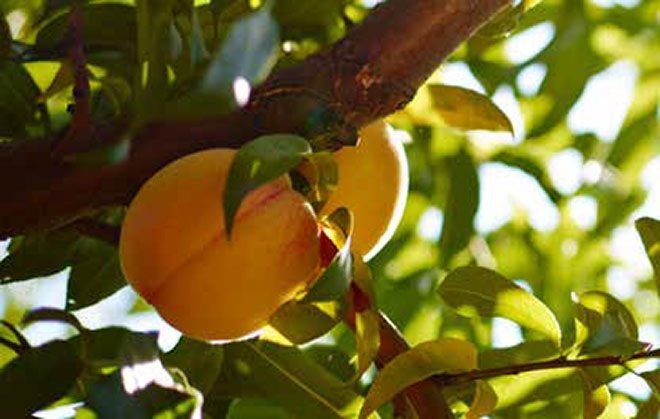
pixel 604 326
pixel 367 321
pixel 249 52
pixel 200 362
pixel 367 338
pixel 108 346
pixel 649 230
pixel 596 396
pixel 461 207
pixel 444 355
pixel 37 378
pixel 473 291
pixel 466 109
pixel 301 322
pixel 484 401
pixel 259 162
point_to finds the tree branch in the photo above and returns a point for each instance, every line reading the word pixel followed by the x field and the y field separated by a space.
pixel 369 74
pixel 561 362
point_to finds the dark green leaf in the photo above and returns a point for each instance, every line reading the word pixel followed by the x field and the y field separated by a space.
pixel 108 346
pixel 473 291
pixel 653 380
pixel 461 207
pixel 37 255
pixel 287 377
pixel 604 326
pixel 649 231
pixel 200 362
pixel 257 163
pixel 38 377
pixel 596 396
pixel 109 399
pixel 95 275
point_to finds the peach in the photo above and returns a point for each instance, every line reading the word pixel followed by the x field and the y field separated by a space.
pixel 176 254
pixel 373 184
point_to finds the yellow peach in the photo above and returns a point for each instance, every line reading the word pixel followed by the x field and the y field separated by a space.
pixel 176 254
pixel 373 184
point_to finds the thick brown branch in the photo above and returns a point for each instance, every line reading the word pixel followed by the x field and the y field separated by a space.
pixel 371 73
pixel 453 379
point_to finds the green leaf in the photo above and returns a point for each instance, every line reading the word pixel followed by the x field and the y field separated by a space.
pixel 461 207
pixel 37 255
pixel 596 397
pixel 109 399
pixel 367 337
pixel 444 355
pixel 259 162
pixel 604 326
pixel 108 346
pixel 200 362
pixel 286 376
pixel 473 291
pixel 5 39
pixel 649 231
pixel 249 52
pixel 301 322
pixel 466 109
pixel 484 401
pixel 95 275
pixel 18 99
pixel 37 378
pixel 95 269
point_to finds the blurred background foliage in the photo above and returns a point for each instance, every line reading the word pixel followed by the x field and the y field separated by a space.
pixel 551 206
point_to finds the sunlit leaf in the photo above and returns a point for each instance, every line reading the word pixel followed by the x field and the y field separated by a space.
pixel 259 162
pixel 484 401
pixel 475 291
pixel 445 355
pixel 466 109
pixel 649 230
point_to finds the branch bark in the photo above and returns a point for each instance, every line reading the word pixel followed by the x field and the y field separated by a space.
pixel 369 74
pixel 465 377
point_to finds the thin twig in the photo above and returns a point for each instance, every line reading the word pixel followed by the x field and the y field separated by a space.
pixel 561 362
pixel 80 129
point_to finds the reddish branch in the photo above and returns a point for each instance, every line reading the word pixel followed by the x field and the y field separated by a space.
pixel 372 72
